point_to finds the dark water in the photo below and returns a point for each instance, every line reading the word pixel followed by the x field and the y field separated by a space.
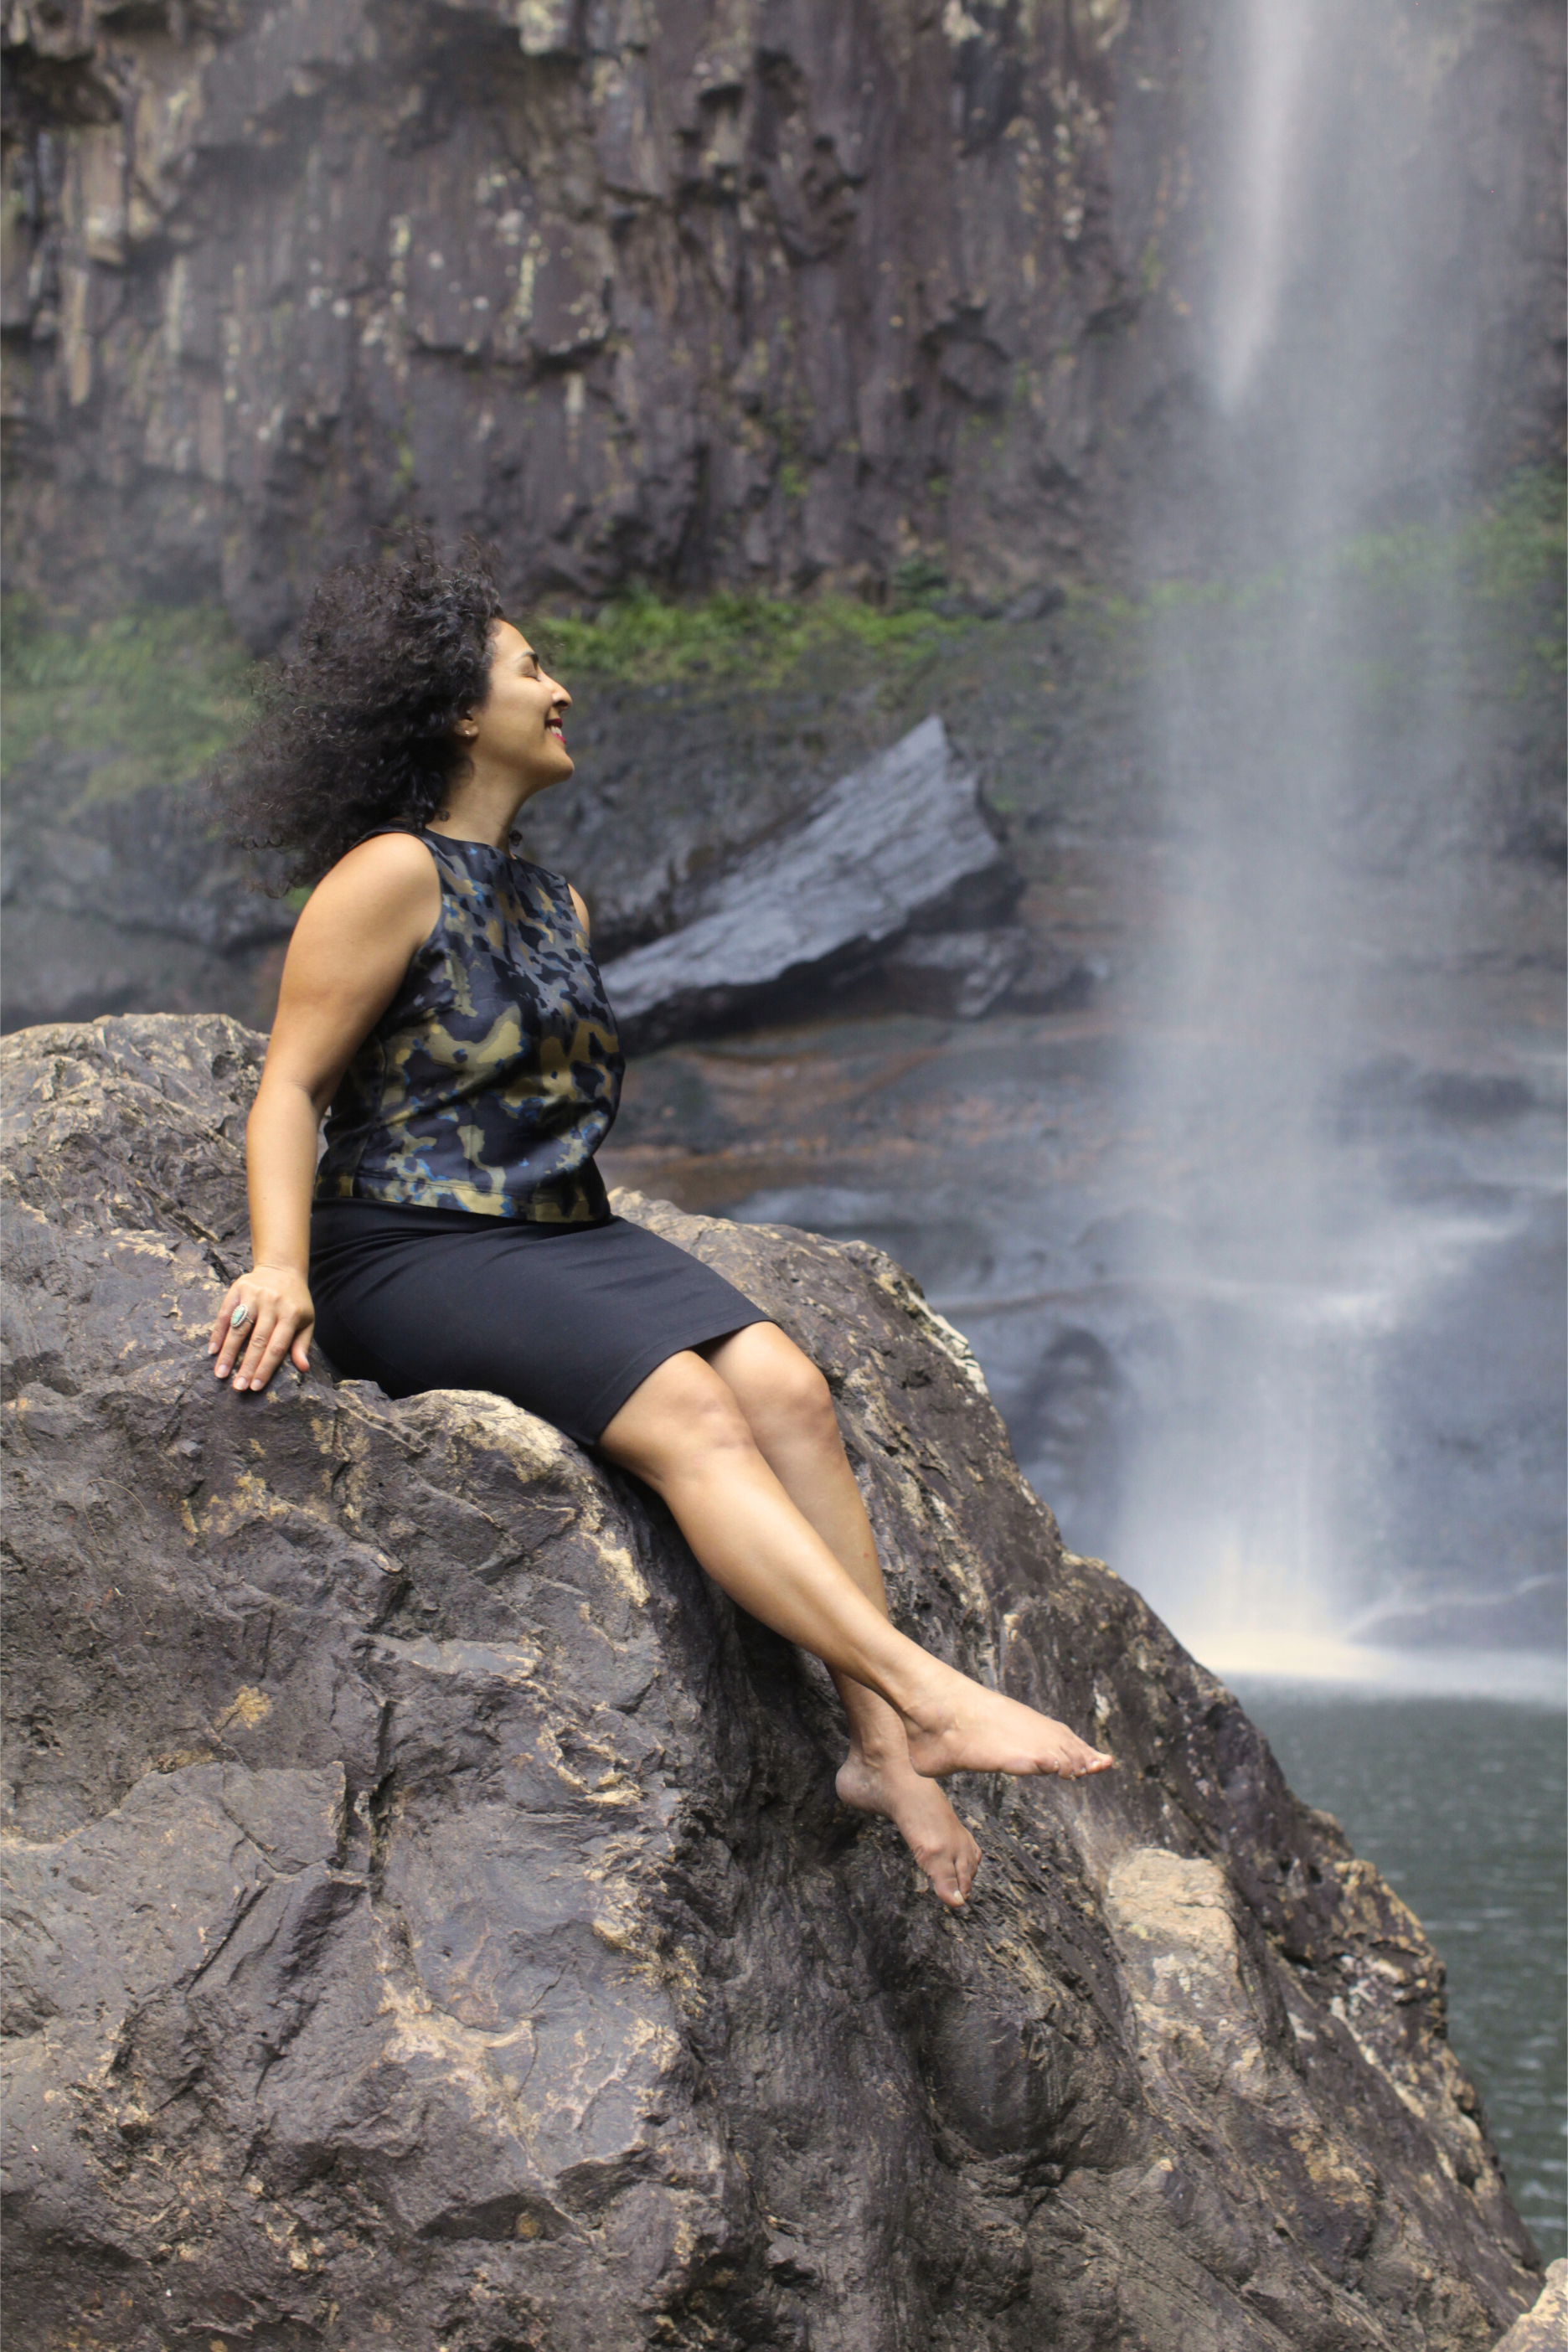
pixel 1462 1804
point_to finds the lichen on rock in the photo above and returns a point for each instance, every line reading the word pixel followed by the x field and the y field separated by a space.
pixel 432 1921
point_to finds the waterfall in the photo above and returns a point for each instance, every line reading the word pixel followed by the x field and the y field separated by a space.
pixel 1306 718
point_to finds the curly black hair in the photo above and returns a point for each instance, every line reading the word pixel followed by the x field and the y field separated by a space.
pixel 356 730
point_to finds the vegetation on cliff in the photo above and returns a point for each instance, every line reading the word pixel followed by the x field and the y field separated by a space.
pixel 151 694
pixel 144 699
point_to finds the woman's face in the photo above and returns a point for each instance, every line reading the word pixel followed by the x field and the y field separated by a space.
pixel 520 724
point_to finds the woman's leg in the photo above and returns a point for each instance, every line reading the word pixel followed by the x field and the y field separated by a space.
pixel 685 1435
pixel 790 1414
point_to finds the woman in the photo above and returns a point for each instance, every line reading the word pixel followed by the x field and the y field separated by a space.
pixel 441 1003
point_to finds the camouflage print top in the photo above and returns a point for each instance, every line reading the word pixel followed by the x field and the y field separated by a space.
pixel 493 1076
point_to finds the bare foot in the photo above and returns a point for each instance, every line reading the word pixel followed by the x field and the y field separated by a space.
pixel 957 1726
pixel 922 1816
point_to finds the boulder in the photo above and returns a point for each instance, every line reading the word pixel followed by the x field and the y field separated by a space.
pixel 961 974
pixel 965 974
pixel 1544 2328
pixel 898 839
pixel 432 1923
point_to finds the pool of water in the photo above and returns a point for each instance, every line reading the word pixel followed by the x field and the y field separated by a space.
pixel 1461 1803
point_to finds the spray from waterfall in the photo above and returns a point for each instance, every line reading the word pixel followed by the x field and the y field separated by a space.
pixel 1316 806
pixel 1262 151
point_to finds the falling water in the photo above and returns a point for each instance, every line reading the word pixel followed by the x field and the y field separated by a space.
pixel 1321 815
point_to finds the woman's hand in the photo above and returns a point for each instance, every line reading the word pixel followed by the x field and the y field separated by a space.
pixel 273 1304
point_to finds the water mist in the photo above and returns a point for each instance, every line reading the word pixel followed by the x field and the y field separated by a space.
pixel 1306 719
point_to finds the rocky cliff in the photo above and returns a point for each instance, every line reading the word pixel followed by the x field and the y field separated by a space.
pixel 432 1922
pixel 753 291
pixel 901 297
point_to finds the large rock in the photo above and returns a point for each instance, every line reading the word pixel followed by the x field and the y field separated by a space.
pixel 898 838
pixel 965 974
pixel 432 1923
pixel 1544 2328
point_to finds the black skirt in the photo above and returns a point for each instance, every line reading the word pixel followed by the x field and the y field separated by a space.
pixel 565 1321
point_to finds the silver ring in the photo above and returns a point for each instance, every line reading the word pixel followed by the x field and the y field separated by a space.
pixel 241 1316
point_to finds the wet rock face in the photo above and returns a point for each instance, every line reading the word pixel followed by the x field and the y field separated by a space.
pixel 667 287
pixel 110 905
pixel 432 1922
pixel 689 290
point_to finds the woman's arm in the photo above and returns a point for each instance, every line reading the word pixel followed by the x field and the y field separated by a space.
pixel 350 951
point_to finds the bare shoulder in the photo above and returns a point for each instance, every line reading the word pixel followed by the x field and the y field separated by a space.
pixel 390 878
pixel 387 861
pixel 351 948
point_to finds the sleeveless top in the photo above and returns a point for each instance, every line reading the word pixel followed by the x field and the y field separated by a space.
pixel 493 1076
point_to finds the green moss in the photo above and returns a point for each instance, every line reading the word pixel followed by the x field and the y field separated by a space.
pixel 1512 556
pixel 917 578
pixel 1486 583
pixel 150 695
pixel 1481 590
pixel 645 640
